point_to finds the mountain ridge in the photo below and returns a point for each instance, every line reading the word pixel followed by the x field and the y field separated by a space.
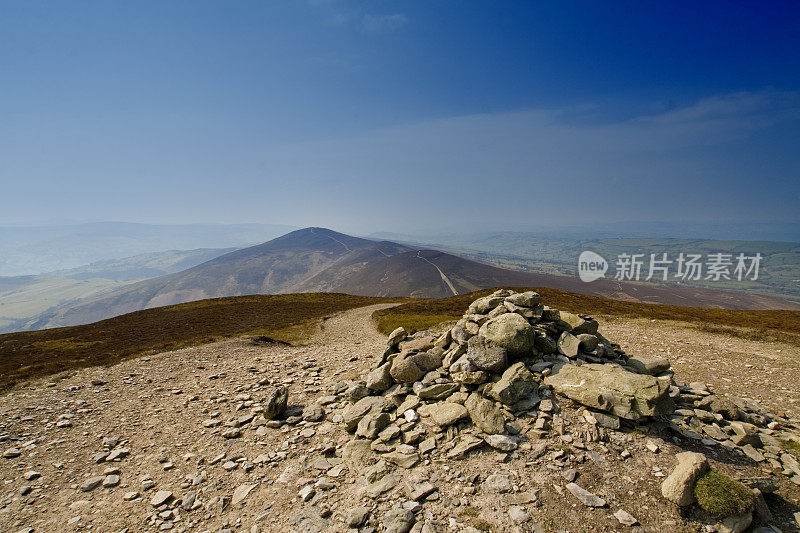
pixel 322 260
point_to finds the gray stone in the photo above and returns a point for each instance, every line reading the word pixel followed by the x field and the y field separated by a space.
pixel 512 332
pixel 398 521
pixel 357 453
pixel 525 299
pixel 679 485
pixel 576 324
pixel 396 336
pixel 545 344
pixel 418 491
pixel 501 442
pixel 587 341
pixel 111 480
pixel 568 344
pixel 613 389
pixel 447 413
pixel 372 424
pixel 160 498
pixel 438 391
pixel 485 415
pixel 409 367
pixel 314 413
pixel 498 483
pixel 648 364
pixel 11 453
pixel 275 405
pixel 518 514
pixel 354 413
pixel 463 445
pixel 91 483
pixel 515 384
pixel 587 498
pixel 380 379
pixel 241 493
pixel 356 516
pixel 735 524
pixel 484 305
pixel 625 518
pixel 187 502
pixel 485 354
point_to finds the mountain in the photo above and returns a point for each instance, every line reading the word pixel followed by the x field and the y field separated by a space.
pixel 24 297
pixel 321 260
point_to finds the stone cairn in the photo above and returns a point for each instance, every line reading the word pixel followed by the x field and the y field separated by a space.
pixel 510 356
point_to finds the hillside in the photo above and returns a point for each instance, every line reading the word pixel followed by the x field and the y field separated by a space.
pixel 24 297
pixel 321 260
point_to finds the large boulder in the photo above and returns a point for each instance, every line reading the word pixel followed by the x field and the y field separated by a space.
pixel 516 384
pixel 409 367
pixel 512 332
pixel 613 389
pixel 485 414
pixel 486 355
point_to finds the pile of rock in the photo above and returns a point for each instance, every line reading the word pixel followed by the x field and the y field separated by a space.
pixel 506 356
pixel 509 359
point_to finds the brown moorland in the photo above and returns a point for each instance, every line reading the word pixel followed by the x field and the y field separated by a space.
pixel 31 354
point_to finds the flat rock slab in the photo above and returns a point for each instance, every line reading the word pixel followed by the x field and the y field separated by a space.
pixel 613 389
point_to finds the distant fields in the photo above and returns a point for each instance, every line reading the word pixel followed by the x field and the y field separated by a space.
pixel 779 275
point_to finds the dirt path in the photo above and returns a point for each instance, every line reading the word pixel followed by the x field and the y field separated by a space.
pixel 445 279
pixel 155 406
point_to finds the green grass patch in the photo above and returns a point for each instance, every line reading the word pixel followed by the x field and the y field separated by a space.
pixel 792 447
pixel 287 317
pixel 721 496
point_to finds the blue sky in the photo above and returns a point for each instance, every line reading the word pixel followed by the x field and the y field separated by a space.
pixel 399 116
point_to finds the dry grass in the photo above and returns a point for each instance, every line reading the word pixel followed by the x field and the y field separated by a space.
pixel 769 325
pixel 289 317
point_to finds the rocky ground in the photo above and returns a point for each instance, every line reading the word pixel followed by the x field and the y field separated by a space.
pixel 178 441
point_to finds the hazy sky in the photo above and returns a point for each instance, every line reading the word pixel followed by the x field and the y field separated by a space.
pixel 366 116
